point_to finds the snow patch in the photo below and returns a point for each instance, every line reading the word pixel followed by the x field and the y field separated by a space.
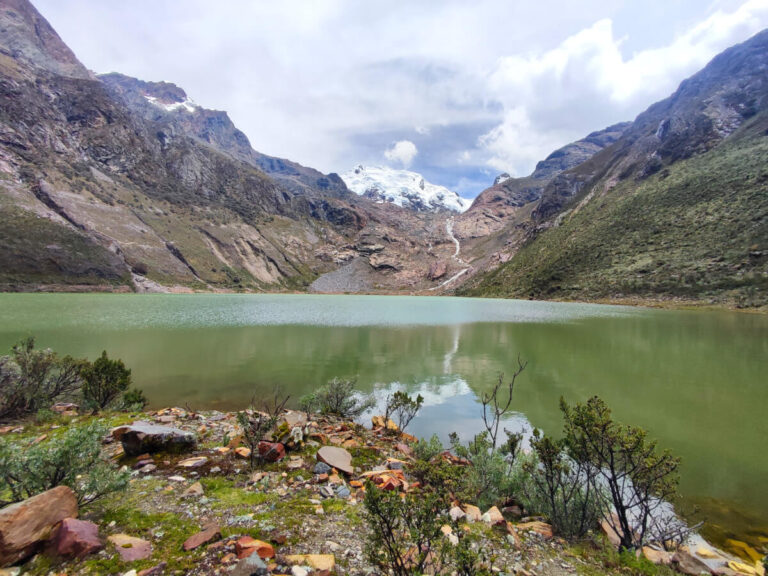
pixel 403 188
pixel 188 104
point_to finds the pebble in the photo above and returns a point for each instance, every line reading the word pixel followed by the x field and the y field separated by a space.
pixel 343 492
pixel 322 468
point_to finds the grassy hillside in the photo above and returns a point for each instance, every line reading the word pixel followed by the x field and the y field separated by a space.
pixel 696 230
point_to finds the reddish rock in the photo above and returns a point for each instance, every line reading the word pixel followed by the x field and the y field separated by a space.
pixel 76 538
pixel 271 451
pixel 208 535
pixel 437 270
pixel 404 449
pixel 246 546
pixel 24 526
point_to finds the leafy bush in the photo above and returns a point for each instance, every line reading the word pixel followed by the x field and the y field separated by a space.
pixel 256 425
pixel 427 449
pixel 31 380
pixel 639 479
pixel 103 381
pixel 561 488
pixel 133 400
pixel 402 407
pixel 404 533
pixel 340 398
pixel 72 458
pixel 489 479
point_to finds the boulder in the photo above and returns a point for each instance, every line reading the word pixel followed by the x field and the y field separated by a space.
pixel 194 491
pixel 437 270
pixel 541 528
pixel 24 526
pixel 688 564
pixel 337 458
pixel 76 539
pixel 131 548
pixel 208 534
pixel 493 516
pixel 271 451
pixel 141 437
pixel 613 537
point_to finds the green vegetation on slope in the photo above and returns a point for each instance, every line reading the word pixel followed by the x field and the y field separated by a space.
pixel 697 230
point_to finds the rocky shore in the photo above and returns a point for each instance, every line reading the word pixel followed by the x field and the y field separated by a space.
pixel 196 505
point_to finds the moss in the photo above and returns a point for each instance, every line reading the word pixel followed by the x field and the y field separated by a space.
pixel 365 458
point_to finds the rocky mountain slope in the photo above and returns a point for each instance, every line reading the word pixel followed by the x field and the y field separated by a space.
pixel 402 188
pixel 114 183
pixel 676 207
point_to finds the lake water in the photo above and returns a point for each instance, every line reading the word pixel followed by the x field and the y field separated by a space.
pixel 697 380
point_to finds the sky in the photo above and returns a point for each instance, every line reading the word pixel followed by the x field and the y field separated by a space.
pixel 457 90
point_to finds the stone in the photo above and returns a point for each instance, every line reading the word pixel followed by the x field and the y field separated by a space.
pixel 456 513
pixel 299 571
pixel 473 513
pixel 243 452
pixel 657 556
pixel 195 462
pixel 322 468
pixel 337 458
pixel 514 511
pixel 541 528
pixel 193 491
pixel 156 570
pixel 404 449
pixel 493 516
pixel 343 492
pixel 76 539
pixel 295 463
pixel 271 451
pixel 250 566
pixel 143 436
pixel 60 407
pixel 610 533
pixel 131 548
pixel 315 561
pixel 177 478
pixel 246 546
pixel 689 564
pixel 437 270
pixel 209 534
pixel 24 526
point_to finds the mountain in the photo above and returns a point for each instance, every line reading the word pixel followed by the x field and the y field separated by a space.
pixel 676 207
pixel 114 183
pixel 402 188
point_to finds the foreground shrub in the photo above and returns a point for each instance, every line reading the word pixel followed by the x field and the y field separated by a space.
pixel 339 398
pixel 103 381
pixel 561 488
pixel 257 424
pixel 31 380
pixel 639 479
pixel 404 533
pixel 72 458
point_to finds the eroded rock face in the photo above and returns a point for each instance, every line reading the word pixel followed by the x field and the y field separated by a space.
pixel 144 437
pixel 24 526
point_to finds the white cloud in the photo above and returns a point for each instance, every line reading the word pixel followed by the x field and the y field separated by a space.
pixel 586 83
pixel 318 82
pixel 402 152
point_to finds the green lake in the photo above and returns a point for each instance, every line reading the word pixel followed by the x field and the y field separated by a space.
pixel 697 380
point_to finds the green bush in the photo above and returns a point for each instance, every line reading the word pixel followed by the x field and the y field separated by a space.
pixel 402 407
pixel 340 398
pixel 561 488
pixel 31 380
pixel 103 381
pixel 133 400
pixel 404 534
pixel 72 458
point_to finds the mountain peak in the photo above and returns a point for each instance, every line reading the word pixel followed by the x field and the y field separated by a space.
pixel 402 187
pixel 26 36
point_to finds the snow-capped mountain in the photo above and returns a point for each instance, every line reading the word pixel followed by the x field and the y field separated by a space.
pixel 404 188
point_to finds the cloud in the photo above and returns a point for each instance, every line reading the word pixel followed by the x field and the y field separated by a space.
pixel 508 82
pixel 402 152
pixel 586 83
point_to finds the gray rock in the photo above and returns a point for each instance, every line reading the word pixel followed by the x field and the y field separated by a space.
pixel 322 468
pixel 251 566
pixel 145 437
pixel 342 492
